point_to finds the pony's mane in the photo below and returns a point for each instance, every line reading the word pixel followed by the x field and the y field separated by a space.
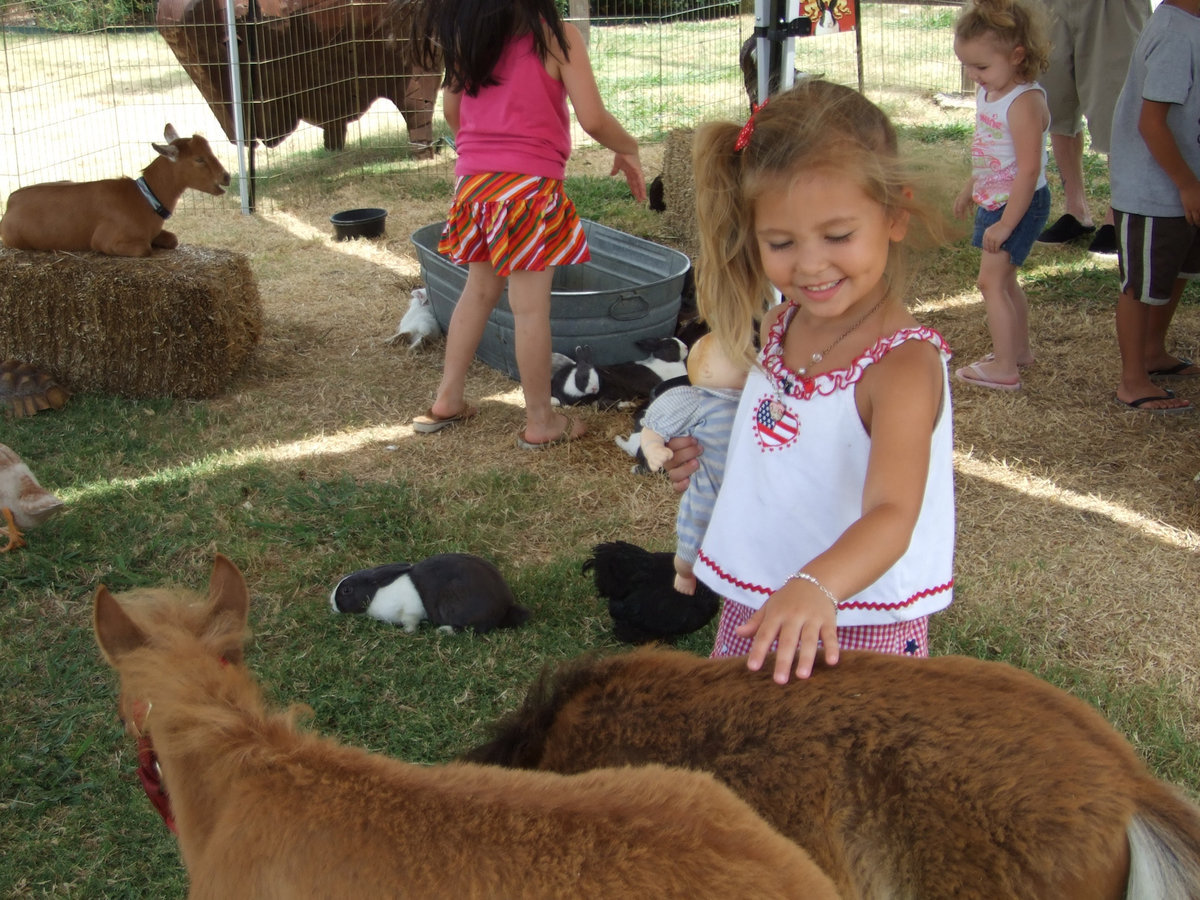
pixel 518 738
pixel 164 611
pixel 181 673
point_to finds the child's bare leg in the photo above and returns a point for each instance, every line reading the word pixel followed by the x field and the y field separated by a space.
pixel 1133 324
pixel 529 297
pixel 996 274
pixel 685 581
pixel 1068 155
pixel 1020 307
pixel 1158 321
pixel 467 324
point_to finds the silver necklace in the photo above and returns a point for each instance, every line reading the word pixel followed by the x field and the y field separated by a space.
pixel 820 355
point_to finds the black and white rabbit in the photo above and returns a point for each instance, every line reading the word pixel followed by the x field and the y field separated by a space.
pixel 631 382
pixel 827 23
pixel 580 380
pixel 573 381
pixel 450 590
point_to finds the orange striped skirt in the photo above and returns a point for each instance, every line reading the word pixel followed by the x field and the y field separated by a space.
pixel 515 222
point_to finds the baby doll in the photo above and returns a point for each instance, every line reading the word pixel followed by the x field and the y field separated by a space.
pixel 704 409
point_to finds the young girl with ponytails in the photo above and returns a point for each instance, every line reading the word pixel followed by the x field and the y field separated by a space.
pixel 511 66
pixel 1003 47
pixel 834 523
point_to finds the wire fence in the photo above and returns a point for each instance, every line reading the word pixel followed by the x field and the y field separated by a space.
pixel 338 80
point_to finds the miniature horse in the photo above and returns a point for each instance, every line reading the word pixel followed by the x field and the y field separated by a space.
pixel 263 810
pixel 903 778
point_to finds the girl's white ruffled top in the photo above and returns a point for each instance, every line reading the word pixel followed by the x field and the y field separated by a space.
pixel 793 484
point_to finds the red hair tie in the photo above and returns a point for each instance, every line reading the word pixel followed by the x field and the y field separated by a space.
pixel 747 131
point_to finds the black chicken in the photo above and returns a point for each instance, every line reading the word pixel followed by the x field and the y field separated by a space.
pixel 639 586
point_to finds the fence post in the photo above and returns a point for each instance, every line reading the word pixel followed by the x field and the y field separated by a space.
pixel 581 16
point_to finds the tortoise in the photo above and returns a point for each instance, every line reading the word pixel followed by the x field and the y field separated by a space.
pixel 26 390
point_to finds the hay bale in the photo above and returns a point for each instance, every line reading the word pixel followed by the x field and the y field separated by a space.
pixel 177 324
pixel 679 190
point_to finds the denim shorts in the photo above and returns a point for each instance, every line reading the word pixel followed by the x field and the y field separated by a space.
pixel 1021 241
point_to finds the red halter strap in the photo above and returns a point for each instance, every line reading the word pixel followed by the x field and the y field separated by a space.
pixel 150 775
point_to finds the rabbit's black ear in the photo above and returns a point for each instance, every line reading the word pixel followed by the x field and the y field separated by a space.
pixel 583 355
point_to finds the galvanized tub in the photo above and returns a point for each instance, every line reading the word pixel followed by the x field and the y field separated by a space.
pixel 629 290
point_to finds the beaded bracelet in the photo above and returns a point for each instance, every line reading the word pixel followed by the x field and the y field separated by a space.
pixel 804 576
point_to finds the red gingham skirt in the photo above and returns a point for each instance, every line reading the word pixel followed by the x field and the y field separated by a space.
pixel 515 222
pixel 901 638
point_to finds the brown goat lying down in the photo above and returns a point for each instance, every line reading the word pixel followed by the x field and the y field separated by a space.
pixel 117 216
pixel 262 810
pixel 903 778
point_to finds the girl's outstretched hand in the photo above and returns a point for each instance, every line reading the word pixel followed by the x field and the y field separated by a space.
pixel 963 202
pixel 797 616
pixel 630 165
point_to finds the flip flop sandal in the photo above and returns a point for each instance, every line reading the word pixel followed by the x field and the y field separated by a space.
pixel 428 423
pixel 1179 369
pixel 1139 405
pixel 977 377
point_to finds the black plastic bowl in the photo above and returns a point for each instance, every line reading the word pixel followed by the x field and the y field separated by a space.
pixel 352 223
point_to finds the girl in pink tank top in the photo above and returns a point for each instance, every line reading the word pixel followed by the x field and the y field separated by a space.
pixel 511 66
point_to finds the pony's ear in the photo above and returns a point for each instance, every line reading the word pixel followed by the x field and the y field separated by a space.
pixel 115 631
pixel 228 596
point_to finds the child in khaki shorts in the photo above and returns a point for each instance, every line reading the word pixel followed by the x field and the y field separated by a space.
pixel 1091 41
pixel 1155 168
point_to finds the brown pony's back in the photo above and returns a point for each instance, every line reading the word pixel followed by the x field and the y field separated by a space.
pixel 938 778
pixel 266 811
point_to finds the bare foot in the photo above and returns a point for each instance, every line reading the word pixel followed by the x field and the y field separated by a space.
pixel 535 437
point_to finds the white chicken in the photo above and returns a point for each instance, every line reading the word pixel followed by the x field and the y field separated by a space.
pixel 23 502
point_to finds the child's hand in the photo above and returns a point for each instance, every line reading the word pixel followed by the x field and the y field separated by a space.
pixel 1190 196
pixel 995 236
pixel 683 464
pixel 630 165
pixel 657 455
pixel 963 202
pixel 685 584
pixel 797 615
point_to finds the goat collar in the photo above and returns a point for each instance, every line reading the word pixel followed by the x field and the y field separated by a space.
pixel 151 199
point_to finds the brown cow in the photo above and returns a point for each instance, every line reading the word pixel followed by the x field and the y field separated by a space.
pixel 117 216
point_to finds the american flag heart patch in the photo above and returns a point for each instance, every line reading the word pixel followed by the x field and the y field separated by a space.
pixel 774 425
